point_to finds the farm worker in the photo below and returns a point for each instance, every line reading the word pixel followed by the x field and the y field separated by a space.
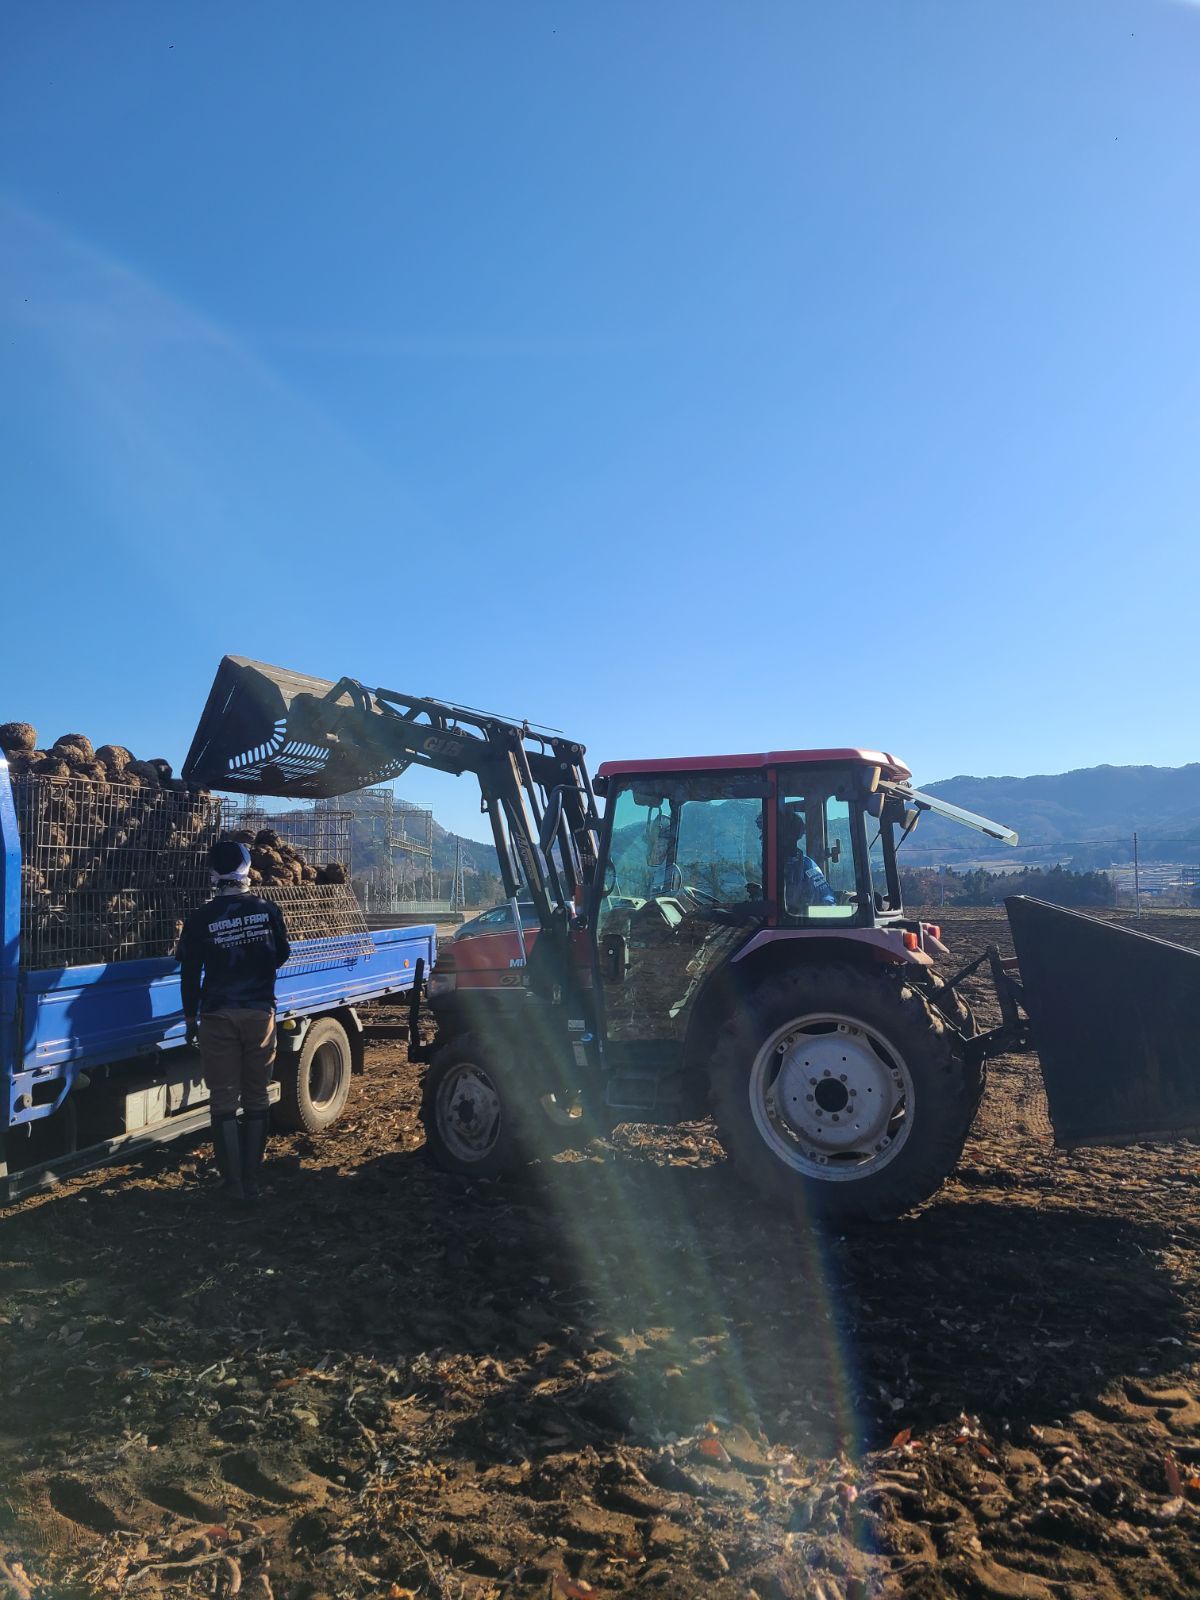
pixel 804 884
pixel 228 955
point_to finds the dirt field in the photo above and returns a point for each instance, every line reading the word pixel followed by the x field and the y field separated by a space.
pixel 619 1375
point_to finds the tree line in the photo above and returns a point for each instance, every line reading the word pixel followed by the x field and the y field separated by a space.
pixel 1059 885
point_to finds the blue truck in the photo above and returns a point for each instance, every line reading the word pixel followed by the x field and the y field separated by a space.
pixel 93 1057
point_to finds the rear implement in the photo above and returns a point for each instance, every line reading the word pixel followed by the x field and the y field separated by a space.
pixel 1115 1018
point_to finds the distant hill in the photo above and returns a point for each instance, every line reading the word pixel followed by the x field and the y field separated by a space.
pixel 1088 815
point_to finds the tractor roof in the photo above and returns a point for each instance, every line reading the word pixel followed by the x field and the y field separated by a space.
pixel 893 770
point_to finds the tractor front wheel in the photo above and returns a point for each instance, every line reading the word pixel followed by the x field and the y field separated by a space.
pixel 841 1092
pixel 482 1115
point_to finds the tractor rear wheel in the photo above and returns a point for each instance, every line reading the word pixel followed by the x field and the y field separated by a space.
pixel 481 1114
pixel 841 1092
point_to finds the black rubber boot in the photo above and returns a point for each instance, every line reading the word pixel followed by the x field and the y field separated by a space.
pixel 228 1152
pixel 255 1126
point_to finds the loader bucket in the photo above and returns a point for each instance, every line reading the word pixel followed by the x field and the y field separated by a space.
pixel 1115 1020
pixel 265 730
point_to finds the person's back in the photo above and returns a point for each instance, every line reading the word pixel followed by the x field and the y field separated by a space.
pixel 228 956
pixel 238 937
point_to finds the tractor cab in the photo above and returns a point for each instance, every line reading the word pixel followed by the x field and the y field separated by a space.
pixel 799 840
pixel 703 864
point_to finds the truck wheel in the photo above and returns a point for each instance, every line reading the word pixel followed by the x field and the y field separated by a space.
pixel 313 1086
pixel 481 1115
pixel 842 1093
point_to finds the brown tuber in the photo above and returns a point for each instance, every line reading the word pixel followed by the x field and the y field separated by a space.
pixel 17 736
pixel 145 771
pixel 115 758
pixel 81 742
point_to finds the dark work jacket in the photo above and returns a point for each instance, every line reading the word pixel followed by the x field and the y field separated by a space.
pixel 237 941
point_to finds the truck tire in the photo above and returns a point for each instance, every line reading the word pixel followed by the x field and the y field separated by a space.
pixel 842 1093
pixel 314 1084
pixel 481 1114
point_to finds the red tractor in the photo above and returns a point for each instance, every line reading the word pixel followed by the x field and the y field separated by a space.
pixel 727 937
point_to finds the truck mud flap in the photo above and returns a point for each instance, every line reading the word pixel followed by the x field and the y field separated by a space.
pixel 1115 1020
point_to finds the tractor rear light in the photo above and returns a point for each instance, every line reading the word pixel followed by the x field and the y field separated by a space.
pixel 911 942
pixel 934 928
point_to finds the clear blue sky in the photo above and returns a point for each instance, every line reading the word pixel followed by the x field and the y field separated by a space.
pixel 689 376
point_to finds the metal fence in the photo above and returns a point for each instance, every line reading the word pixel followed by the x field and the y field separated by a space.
pixel 110 872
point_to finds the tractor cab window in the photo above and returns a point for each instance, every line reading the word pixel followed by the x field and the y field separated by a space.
pixel 822 855
pixel 682 887
pixel 881 853
pixel 686 843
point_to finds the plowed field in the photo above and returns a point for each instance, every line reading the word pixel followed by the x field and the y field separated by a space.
pixel 617 1375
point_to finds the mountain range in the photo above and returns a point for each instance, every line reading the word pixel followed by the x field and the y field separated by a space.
pixel 1088 816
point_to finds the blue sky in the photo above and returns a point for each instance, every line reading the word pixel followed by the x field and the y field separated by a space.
pixel 693 377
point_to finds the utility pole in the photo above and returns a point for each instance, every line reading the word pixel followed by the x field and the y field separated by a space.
pixel 1137 882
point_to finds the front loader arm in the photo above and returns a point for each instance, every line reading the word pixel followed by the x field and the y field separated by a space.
pixel 269 731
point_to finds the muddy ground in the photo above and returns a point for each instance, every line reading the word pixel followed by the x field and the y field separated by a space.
pixel 618 1375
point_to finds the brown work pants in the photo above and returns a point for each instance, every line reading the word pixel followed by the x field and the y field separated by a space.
pixel 237 1047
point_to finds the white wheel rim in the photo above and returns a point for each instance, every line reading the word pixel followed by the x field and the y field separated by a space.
pixel 832 1097
pixel 468 1113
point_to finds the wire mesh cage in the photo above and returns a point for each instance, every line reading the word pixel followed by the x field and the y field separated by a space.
pixel 111 871
pixel 320 834
pixel 325 922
